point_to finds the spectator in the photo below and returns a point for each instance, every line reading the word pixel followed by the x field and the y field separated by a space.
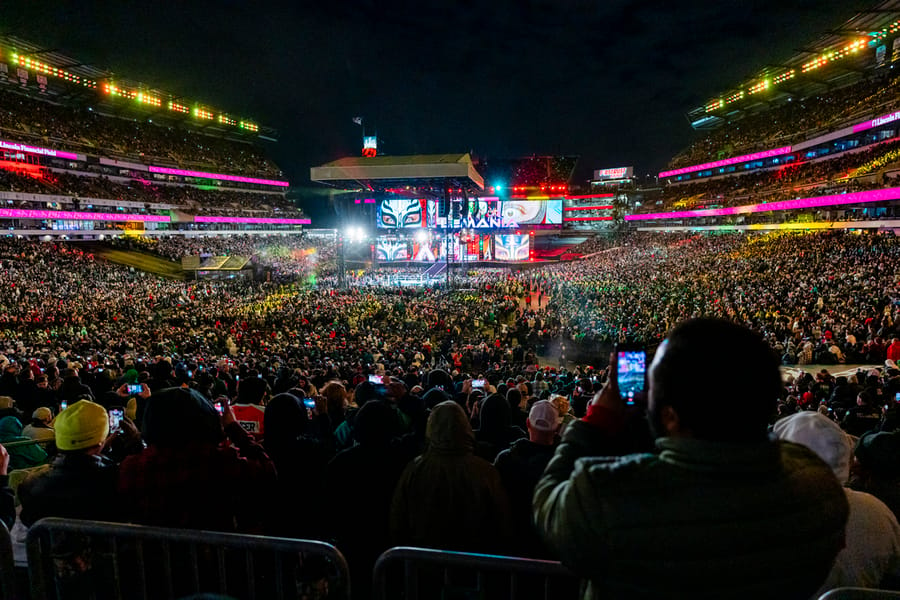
pixel 872 548
pixel 40 427
pixel 495 432
pixel 300 448
pixel 20 456
pixel 360 485
pixel 187 477
pixel 249 409
pixel 876 470
pixel 521 466
pixel 740 500
pixel 448 498
pixel 80 483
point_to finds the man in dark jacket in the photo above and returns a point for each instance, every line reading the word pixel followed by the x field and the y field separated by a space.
pixel 521 466
pixel 720 511
pixel 72 389
pixel 80 482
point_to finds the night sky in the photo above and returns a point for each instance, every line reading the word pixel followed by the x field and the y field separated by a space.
pixel 610 81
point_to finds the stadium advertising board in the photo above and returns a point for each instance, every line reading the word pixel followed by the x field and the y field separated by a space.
pixel 258 220
pixel 19 147
pixel 877 122
pixel 69 215
pixel 616 173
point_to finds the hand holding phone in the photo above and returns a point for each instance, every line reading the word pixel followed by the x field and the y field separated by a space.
pixel 115 418
pixel 478 383
pixel 134 389
pixel 631 371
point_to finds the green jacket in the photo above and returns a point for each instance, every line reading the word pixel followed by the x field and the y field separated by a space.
pixel 700 520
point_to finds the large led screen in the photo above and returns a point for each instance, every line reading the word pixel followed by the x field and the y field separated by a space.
pixel 532 212
pixel 511 247
pixel 401 213
pixel 391 250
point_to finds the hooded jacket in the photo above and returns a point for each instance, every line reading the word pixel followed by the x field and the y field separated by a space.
pixel 20 457
pixel 872 548
pixel 702 519
pixel 448 498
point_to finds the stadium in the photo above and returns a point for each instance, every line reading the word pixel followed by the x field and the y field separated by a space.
pixel 485 376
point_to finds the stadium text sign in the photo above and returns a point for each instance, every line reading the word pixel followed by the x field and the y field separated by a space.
pixel 17 147
pixel 68 215
pixel 487 222
pixel 882 120
pixel 617 173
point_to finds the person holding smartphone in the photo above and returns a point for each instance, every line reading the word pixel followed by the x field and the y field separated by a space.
pixel 717 505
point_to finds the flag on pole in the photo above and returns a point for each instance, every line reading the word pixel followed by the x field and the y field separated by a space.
pixel 357 120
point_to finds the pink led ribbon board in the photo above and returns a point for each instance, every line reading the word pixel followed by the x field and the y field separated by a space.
pixel 817 202
pixel 16 213
pixel 262 220
pixel 17 147
pixel 882 120
pixel 728 161
pixel 222 177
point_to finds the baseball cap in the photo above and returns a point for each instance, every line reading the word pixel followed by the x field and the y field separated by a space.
pixel 544 416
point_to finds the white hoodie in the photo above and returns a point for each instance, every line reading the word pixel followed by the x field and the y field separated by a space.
pixel 872 548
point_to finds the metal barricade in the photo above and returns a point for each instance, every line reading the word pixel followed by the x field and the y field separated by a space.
pixel 426 573
pixel 97 560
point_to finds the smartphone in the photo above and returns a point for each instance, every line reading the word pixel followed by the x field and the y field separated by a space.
pixel 190 374
pixel 897 397
pixel 134 389
pixel 631 369
pixel 63 405
pixel 309 403
pixel 376 378
pixel 478 383
pixel 220 408
pixel 115 418
pixel 237 378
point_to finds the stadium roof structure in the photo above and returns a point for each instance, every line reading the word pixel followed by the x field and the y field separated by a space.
pixel 75 82
pixel 382 173
pixel 839 57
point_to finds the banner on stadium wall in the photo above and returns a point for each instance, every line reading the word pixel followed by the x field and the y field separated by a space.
pixel 895 50
pixel 615 173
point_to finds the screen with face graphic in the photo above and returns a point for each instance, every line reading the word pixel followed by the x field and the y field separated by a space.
pixel 511 247
pixel 391 249
pixel 401 213
pixel 532 212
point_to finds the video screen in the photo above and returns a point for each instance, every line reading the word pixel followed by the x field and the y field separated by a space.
pixel 532 212
pixel 390 250
pixel 401 213
pixel 511 247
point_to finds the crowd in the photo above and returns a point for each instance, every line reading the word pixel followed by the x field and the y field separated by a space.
pixel 792 121
pixel 33 121
pixel 416 395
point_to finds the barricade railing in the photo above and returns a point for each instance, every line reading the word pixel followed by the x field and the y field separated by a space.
pixel 93 559
pixel 413 573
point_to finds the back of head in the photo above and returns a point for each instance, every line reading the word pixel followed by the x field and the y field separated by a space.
pixel 721 379
pixel 375 424
pixel 179 416
pixel 284 420
pixel 10 428
pixel 821 435
pixel 84 424
pixel 495 415
pixel 448 430
pixel 251 390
